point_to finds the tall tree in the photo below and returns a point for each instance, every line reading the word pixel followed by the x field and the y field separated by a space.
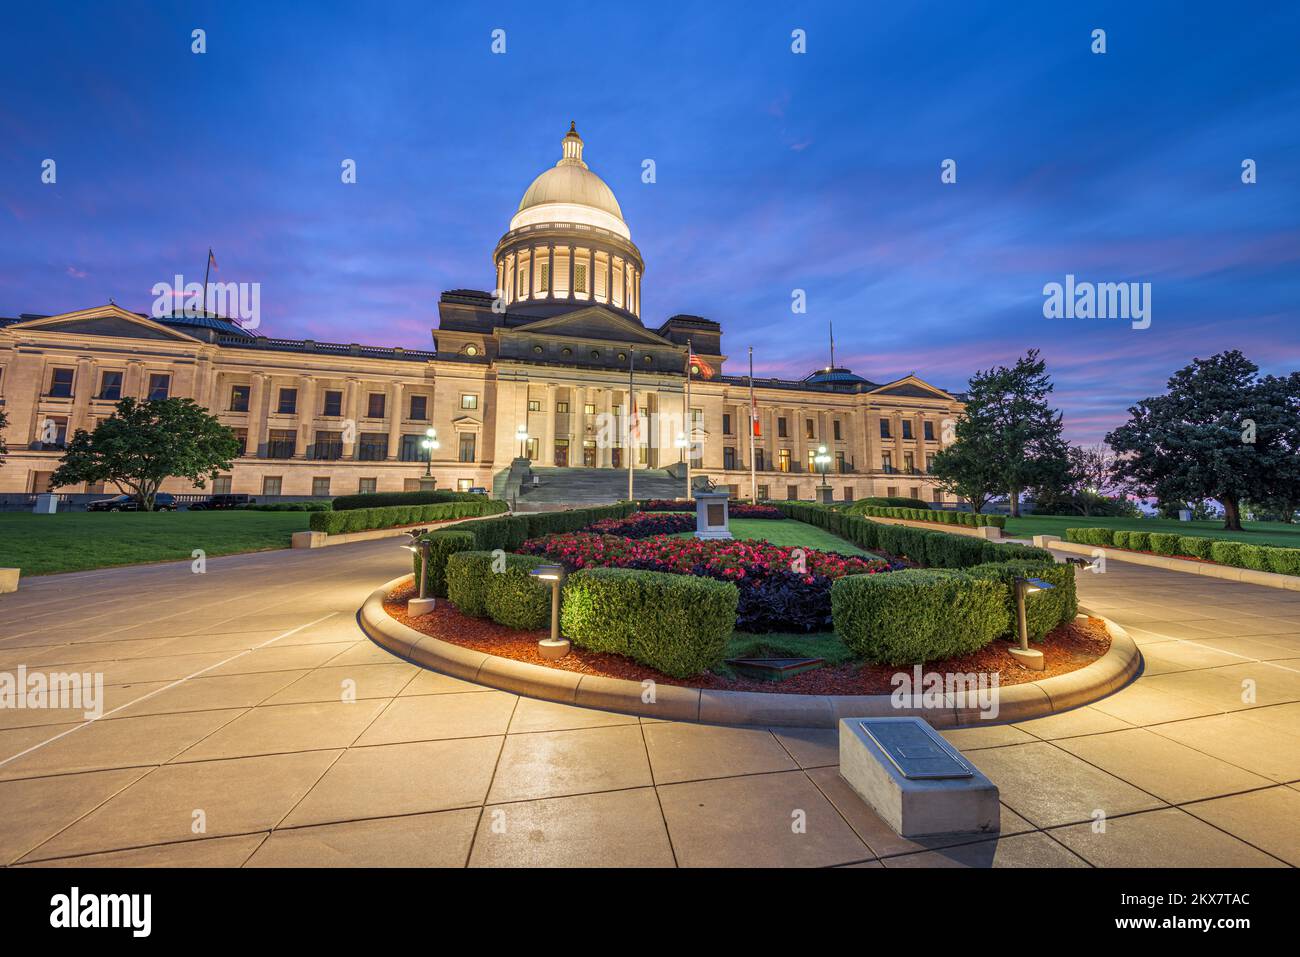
pixel 1009 427
pixel 1219 432
pixel 966 469
pixel 143 443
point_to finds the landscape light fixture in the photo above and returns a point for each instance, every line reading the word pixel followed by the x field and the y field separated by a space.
pixel 554 647
pixel 423 603
pixel 429 443
pixel 1030 658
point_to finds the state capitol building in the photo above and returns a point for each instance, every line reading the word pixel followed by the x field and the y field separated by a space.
pixel 549 357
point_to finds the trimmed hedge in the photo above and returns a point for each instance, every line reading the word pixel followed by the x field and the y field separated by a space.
pixel 1260 558
pixel 918 615
pixel 1044 610
pixel 895 501
pixel 677 624
pixel 443 544
pixel 934 549
pixel 937 516
pixel 364 519
pixel 344 503
pixel 510 597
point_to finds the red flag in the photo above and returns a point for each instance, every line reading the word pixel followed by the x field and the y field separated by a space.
pixel 212 260
pixel 753 417
pixel 701 367
pixel 634 425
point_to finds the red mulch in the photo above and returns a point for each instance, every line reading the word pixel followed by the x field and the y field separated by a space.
pixel 1066 649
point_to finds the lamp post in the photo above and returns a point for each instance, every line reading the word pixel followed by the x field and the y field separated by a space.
pixel 822 459
pixel 423 603
pixel 521 436
pixel 554 647
pixel 682 442
pixel 1030 658
pixel 428 443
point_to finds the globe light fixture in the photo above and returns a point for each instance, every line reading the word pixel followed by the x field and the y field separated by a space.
pixel 822 459
pixel 521 436
pixel 429 443
pixel 554 647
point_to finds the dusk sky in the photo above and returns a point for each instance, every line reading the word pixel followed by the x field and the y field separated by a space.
pixel 775 171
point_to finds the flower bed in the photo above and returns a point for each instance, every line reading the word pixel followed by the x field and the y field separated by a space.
pixel 641 525
pixel 779 589
pixel 736 509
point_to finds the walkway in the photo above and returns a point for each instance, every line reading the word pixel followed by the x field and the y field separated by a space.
pixel 257 759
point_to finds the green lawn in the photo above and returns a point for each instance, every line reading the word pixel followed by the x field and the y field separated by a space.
pixel 789 533
pixel 77 541
pixel 1257 533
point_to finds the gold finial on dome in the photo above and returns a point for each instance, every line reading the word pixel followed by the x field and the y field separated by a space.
pixel 571 147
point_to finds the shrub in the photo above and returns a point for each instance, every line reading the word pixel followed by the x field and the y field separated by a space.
pixel 345 503
pixel 677 624
pixel 1284 561
pixel 443 544
pixel 467 581
pixel 507 532
pixel 1139 541
pixel 896 501
pixel 1228 553
pixel 1164 543
pixel 1195 545
pixel 515 598
pixel 917 615
pixel 363 519
pixel 1045 609
pixel 1254 557
pixel 1121 539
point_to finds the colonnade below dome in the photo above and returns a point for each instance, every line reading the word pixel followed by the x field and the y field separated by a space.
pixel 548 271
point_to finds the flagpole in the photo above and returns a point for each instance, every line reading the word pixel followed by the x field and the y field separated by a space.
pixel 753 410
pixel 631 412
pixel 206 269
pixel 687 430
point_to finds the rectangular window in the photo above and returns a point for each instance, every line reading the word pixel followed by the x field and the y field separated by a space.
pixel 929 463
pixel 110 386
pixel 848 493
pixel 367 486
pixel 728 457
pixel 469 401
pixel 887 461
pixel 915 492
pixel 562 407
pixel 419 408
pixel 928 430
pixel 372 447
pixel 288 403
pixel 561 453
pixel 239 398
pixel 812 463
pixel 464 485
pixel 884 429
pixel 589 409
pixel 333 404
pixel 241 435
pixel 221 485
pixel 467 440
pixel 61 383
pixel 780 429
pixel 328 446
pixel 160 386
pixel 54 432
pixel 375 405
pixel 534 405
pixel 281 443
pixel 270 485
pixel 764 493
pixel 544 277
pixel 891 491
pixel 907 428
pixel 792 493
pixel 411 450
pixel 758 461
pixel 909 463
pixel 726 423
pixel 320 486
pixel 835 430
pixel 534 449
pixel 783 460
pixel 810 429
pixel 840 465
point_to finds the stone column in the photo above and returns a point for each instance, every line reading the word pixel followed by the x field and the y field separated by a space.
pixel 546 445
pixel 550 272
pixel 351 396
pixel 257 386
pixel 306 416
pixel 394 420
pixel 573 268
pixel 84 384
pixel 605 456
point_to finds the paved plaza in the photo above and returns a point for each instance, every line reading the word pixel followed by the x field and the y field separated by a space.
pixel 259 761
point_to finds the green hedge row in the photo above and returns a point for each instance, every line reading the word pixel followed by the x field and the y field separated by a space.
pixel 1260 558
pixel 484 585
pixel 677 624
pixel 893 501
pixel 442 545
pixel 931 549
pixel 937 516
pixel 364 519
pixel 1045 609
pixel 344 503
pixel 918 615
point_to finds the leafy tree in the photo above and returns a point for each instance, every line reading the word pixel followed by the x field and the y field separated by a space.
pixel 1220 432
pixel 144 443
pixel 966 469
pixel 1010 433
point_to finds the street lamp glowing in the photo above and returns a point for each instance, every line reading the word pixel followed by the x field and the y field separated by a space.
pixel 1031 658
pixel 822 459
pixel 429 444
pixel 521 436
pixel 553 647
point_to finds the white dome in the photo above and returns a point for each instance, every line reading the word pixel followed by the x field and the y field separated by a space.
pixel 569 192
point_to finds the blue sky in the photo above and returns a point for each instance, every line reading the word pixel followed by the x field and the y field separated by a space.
pixel 775 171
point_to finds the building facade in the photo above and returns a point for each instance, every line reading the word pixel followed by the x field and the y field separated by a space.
pixel 549 365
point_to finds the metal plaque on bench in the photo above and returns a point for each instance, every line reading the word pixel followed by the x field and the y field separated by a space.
pixel 916 750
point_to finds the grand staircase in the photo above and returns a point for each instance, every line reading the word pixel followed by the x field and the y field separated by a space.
pixel 588 486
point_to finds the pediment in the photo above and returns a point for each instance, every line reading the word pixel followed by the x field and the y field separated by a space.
pixel 591 322
pixel 913 388
pixel 111 321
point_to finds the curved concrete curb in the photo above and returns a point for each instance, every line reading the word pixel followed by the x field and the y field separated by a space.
pixel 673 703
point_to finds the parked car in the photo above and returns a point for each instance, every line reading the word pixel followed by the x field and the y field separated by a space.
pixel 162 502
pixel 478 490
pixel 224 500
